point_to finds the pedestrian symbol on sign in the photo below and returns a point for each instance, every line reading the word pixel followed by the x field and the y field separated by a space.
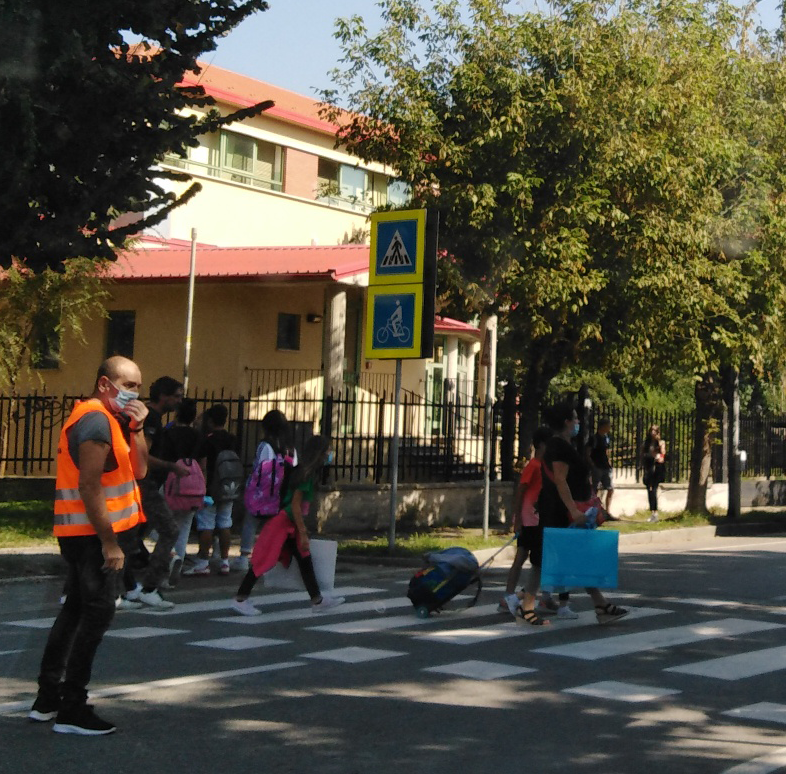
pixel 396 254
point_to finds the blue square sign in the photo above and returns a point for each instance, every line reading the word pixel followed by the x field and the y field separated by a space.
pixel 397 247
pixel 394 321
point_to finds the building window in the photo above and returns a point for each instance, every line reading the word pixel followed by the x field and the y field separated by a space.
pixel 343 185
pixel 399 193
pixel 288 332
pixel 120 327
pixel 45 352
pixel 235 157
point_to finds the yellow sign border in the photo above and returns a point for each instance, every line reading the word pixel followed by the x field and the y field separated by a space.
pixel 388 353
pixel 420 250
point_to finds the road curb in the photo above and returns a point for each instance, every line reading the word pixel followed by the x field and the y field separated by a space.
pixel 37 562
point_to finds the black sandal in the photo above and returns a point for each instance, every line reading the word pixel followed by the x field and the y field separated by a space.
pixel 609 613
pixel 530 617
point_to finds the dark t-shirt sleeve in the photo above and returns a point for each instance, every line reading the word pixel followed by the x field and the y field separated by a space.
pixel 93 426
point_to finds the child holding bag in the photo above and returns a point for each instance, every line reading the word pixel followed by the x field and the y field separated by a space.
pixel 285 536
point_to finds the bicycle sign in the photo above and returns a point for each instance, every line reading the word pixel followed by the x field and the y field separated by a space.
pixel 395 317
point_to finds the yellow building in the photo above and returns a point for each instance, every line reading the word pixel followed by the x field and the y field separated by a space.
pixel 279 295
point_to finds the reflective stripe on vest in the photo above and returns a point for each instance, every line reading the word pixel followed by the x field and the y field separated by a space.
pixel 123 501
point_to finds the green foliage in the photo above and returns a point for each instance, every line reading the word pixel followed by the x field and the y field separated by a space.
pixel 48 304
pixel 86 118
pixel 609 180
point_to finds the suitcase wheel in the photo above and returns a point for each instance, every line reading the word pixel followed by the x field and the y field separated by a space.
pixel 421 611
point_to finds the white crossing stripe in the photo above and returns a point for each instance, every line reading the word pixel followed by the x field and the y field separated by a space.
pixel 367 625
pixel 219 605
pixel 617 691
pixel 354 655
pixel 305 612
pixel 239 643
pixel 513 629
pixel 142 632
pixel 764 710
pixel 750 664
pixel 764 764
pixel 170 682
pixel 652 640
pixel 480 670
pixel 33 623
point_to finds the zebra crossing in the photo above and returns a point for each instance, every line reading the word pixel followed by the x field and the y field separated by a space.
pixel 377 624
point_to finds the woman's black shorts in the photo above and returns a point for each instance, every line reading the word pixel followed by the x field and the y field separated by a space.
pixel 531 540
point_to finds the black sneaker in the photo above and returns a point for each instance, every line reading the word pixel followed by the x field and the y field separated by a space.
pixel 44 710
pixel 81 720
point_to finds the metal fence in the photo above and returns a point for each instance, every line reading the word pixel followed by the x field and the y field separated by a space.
pixel 440 441
pixel 629 428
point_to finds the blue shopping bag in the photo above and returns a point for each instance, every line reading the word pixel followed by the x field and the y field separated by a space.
pixel 580 557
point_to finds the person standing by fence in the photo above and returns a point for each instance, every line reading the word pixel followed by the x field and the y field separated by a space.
pixel 653 457
pixel 602 473
pixel 100 455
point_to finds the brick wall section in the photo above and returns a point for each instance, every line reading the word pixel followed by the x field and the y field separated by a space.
pixel 300 174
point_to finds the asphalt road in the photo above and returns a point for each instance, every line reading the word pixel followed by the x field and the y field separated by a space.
pixel 691 682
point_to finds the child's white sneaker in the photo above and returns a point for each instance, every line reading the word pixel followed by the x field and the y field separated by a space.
pixel 326 603
pixel 565 613
pixel 244 607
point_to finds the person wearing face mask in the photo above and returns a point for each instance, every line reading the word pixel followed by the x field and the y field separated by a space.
pixel 100 454
pixel 285 536
pixel 166 394
pixel 602 473
pixel 566 482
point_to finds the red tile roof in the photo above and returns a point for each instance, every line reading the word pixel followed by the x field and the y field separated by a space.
pixel 449 325
pixel 242 263
pixel 242 91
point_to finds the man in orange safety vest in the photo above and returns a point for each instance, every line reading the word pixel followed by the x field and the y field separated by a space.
pixel 100 455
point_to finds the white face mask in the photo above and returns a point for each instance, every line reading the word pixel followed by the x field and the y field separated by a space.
pixel 118 402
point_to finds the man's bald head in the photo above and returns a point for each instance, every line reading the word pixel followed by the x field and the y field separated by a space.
pixel 120 372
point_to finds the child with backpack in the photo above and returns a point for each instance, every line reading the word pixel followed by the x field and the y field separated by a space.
pixel 224 478
pixel 262 496
pixel 285 536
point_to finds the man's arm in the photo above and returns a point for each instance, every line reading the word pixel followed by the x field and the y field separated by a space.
pixel 155 463
pixel 92 459
pixel 137 411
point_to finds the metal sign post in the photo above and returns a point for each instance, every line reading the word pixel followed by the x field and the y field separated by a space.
pixel 400 308
pixel 489 360
pixel 394 461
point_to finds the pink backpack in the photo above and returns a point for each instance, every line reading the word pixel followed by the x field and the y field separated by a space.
pixel 263 488
pixel 184 494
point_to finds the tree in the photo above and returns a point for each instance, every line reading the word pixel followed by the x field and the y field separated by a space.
pixel 36 311
pixel 86 118
pixel 592 172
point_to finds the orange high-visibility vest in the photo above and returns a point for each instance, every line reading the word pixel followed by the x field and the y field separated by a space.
pixel 123 501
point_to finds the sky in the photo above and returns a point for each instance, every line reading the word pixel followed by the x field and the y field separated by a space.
pixel 291 45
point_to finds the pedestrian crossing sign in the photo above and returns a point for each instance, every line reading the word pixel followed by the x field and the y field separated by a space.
pixel 397 247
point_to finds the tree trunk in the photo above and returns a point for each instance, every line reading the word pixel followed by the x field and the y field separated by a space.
pixel 708 399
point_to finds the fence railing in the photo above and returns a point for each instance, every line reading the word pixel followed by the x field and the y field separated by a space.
pixel 440 441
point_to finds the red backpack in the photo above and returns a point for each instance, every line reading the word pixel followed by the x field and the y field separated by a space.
pixel 184 494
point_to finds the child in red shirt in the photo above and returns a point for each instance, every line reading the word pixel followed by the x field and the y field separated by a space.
pixel 525 516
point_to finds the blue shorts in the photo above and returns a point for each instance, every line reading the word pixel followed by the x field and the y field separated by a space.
pixel 218 516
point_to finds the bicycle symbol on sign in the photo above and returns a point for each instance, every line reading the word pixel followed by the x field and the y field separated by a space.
pixel 394 327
